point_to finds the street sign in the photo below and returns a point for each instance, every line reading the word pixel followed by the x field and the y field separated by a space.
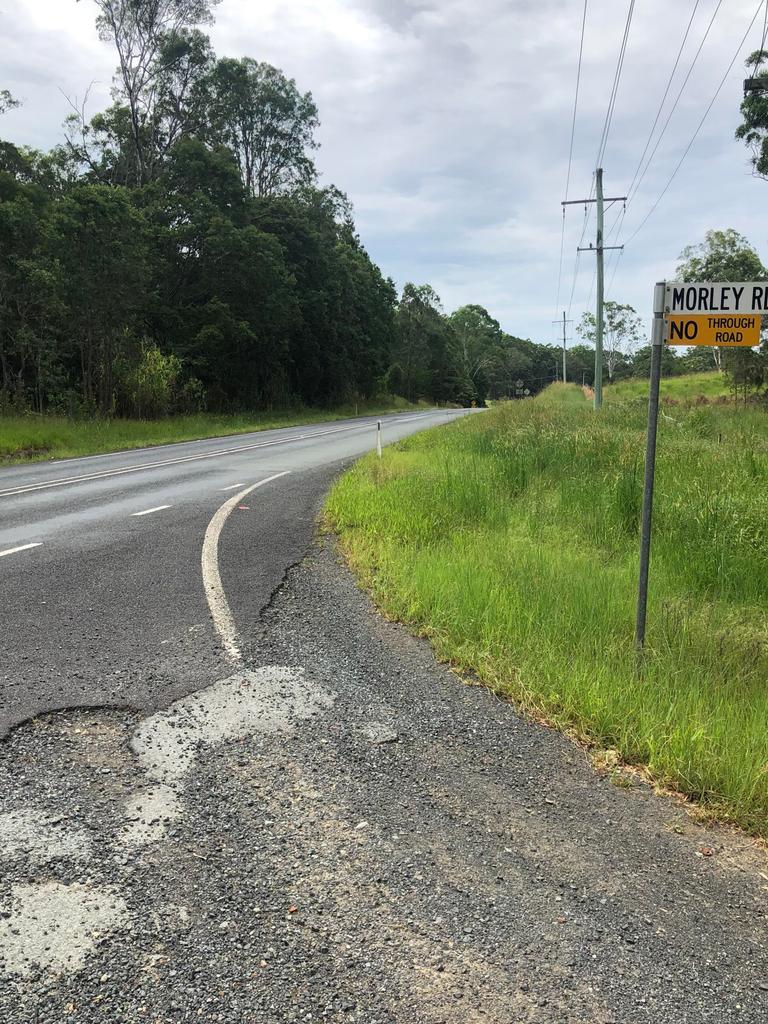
pixel 727 314
pixel 519 383
pixel 724 331
pixel 720 297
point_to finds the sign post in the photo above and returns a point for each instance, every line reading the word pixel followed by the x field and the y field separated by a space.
pixel 657 341
pixel 725 314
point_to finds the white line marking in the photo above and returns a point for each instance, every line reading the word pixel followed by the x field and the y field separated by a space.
pixel 221 613
pixel 25 488
pixel 231 487
pixel 149 511
pixel 23 547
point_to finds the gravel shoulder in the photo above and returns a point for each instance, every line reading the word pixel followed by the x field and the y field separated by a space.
pixel 348 832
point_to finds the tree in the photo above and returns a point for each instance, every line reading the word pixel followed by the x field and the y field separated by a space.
pixel 29 288
pixel 421 363
pixel 261 115
pixel 476 344
pixel 581 364
pixel 7 102
pixel 622 330
pixel 753 129
pixel 670 363
pixel 99 240
pixel 153 45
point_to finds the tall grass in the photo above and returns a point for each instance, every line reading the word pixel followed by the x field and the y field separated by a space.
pixel 27 438
pixel 511 540
pixel 690 386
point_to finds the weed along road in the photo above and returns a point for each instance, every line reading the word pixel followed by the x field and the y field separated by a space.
pixel 229 791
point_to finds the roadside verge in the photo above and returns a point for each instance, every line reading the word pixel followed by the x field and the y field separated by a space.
pixel 510 541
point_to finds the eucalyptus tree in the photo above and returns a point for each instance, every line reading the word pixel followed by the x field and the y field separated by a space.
pixel 269 125
pixel 154 44
pixel 475 348
pixel 622 332
pixel 753 129
pixel 7 101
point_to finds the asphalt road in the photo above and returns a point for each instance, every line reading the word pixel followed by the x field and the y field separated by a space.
pixel 261 803
pixel 102 602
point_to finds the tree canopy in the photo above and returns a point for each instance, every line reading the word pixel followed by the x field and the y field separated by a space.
pixel 176 251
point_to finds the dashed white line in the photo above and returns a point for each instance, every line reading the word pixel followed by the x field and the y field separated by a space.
pixel 231 487
pixel 22 547
pixel 221 613
pixel 148 511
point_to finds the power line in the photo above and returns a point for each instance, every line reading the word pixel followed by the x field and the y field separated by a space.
pixel 587 215
pixel 587 212
pixel 615 87
pixel 688 148
pixel 576 98
pixel 603 139
pixel 704 38
pixel 664 97
pixel 570 151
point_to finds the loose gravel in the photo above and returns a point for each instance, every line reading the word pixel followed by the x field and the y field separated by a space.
pixel 383 843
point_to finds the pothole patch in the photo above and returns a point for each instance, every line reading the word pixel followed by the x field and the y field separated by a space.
pixel 55 927
pixel 148 814
pixel 266 700
pixel 37 838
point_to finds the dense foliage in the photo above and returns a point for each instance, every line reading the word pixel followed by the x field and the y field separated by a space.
pixel 176 253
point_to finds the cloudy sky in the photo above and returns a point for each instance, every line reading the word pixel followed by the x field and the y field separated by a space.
pixel 448 124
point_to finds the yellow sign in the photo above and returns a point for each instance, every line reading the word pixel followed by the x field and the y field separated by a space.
pixel 740 330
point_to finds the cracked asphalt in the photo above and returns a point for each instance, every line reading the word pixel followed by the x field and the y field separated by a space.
pixel 340 829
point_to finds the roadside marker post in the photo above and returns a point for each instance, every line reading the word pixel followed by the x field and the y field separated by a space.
pixel 724 314
pixel 378 438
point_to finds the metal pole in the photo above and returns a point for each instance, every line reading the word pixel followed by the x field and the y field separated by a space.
pixel 600 289
pixel 564 370
pixel 657 340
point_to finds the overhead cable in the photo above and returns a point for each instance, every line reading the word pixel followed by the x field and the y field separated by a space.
pixel 688 148
pixel 615 87
pixel 570 153
pixel 664 97
pixel 638 181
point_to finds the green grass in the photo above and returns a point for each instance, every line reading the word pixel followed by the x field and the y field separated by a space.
pixel 690 387
pixel 30 438
pixel 511 540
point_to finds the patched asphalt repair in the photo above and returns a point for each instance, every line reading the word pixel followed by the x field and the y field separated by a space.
pixel 346 831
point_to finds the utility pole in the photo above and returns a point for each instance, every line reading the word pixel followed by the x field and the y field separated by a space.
pixel 599 250
pixel 564 322
pixel 600 289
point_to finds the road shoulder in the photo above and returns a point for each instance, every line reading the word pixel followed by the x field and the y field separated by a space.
pixel 386 844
